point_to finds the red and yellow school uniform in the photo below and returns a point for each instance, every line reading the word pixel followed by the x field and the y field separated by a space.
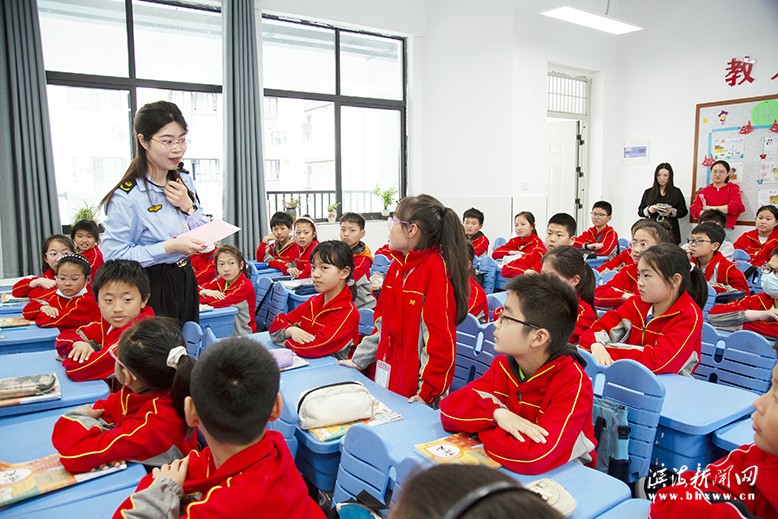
pixel 733 314
pixel 526 244
pixel 240 294
pixel 608 237
pixel 416 330
pixel 74 311
pixel 95 258
pixel 558 398
pixel 133 427
pixel 204 267
pixel 301 260
pixel 620 260
pixel 666 343
pixel 723 275
pixel 728 195
pixel 100 364
pixel 744 480
pixel 363 260
pixel 625 281
pixel 532 250
pixel 585 320
pixel 334 325
pixel 758 252
pixel 22 287
pixel 477 305
pixel 384 250
pixel 259 481
pixel 271 253
pixel 480 243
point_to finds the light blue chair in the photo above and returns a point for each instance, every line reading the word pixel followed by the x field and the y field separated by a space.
pixel 380 264
pixel 623 244
pixel 740 255
pixel 366 322
pixel 495 301
pixel 474 351
pixel 743 359
pixel 208 339
pixel 709 302
pixel 488 267
pixel 499 242
pixel 193 337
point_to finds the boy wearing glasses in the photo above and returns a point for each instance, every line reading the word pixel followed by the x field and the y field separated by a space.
pixel 721 273
pixel 533 408
pixel 601 238
pixel 122 290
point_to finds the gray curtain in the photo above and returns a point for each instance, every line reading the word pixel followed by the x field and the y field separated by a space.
pixel 244 181
pixel 28 191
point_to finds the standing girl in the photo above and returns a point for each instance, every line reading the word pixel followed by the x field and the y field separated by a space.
pixel 86 237
pixel 232 288
pixel 54 247
pixel 662 326
pixel 305 240
pixel 664 201
pixel 720 194
pixel 424 297
pixel 144 421
pixel 760 242
pixel 568 265
pixel 152 206
pixel 328 323
pixel 527 245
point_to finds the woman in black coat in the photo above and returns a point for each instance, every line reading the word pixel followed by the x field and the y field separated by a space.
pixel 664 201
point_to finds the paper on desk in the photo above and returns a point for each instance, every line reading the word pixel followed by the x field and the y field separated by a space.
pixel 212 231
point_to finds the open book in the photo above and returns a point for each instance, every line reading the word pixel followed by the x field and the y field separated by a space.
pixel 13 322
pixel 20 481
pixel 458 448
pixel 381 415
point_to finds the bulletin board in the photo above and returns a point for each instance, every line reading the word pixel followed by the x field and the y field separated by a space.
pixel 744 132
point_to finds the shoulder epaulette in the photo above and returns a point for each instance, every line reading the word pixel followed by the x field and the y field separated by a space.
pixel 128 186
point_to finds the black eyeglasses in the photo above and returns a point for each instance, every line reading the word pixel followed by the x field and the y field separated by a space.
pixel 525 323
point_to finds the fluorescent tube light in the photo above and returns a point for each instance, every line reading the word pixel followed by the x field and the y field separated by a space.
pixel 594 21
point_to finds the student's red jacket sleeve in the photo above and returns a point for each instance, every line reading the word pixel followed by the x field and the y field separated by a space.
pixel 261 251
pixel 529 261
pixel 438 312
pixel 81 312
pixel 241 290
pixel 610 294
pixel 332 331
pixel 504 250
pixel 480 245
pixel 730 276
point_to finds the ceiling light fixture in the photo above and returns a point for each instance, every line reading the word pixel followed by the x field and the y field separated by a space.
pixel 591 20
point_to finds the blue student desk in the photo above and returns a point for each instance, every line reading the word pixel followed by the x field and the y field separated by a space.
pixel 27 338
pixel 28 437
pixel 96 507
pixel 220 320
pixel 6 309
pixel 692 412
pixel 264 339
pixel 32 363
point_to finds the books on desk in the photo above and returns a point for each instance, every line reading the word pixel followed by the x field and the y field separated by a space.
pixel 458 448
pixel 7 297
pixel 29 389
pixel 13 322
pixel 205 308
pixel 297 362
pixel 381 415
pixel 20 481
pixel 294 283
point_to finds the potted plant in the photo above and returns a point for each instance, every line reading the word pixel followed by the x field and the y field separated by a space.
pixel 332 212
pixel 85 212
pixel 291 206
pixel 387 196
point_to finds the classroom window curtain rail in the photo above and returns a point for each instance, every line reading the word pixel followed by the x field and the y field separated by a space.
pixel 28 191
pixel 244 183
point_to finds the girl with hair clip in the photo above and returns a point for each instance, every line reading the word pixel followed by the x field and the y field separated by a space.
pixel 53 248
pixel 720 194
pixel 305 240
pixel 568 265
pixel 760 242
pixel 527 245
pixel 662 326
pixel 86 237
pixel 663 201
pixel 232 288
pixel 328 323
pixel 424 297
pixel 144 420
pixel 151 208
pixel 72 305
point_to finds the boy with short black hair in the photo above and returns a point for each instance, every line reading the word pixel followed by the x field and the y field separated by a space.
pixel 727 248
pixel 532 409
pixel 281 248
pixel 560 231
pixel 721 273
pixel 473 221
pixel 352 230
pixel 245 468
pixel 601 238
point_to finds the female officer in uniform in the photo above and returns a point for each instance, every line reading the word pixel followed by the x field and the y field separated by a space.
pixel 151 206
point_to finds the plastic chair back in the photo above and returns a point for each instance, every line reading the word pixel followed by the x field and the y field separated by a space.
pixel 710 301
pixel 623 244
pixel 380 264
pixel 470 338
pixel 366 322
pixel 488 267
pixel 499 242
pixel 208 339
pixel 743 359
pixel 193 337
pixel 740 255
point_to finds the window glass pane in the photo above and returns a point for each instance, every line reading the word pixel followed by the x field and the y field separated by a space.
pixel 84 36
pixel 370 156
pixel 370 66
pixel 299 145
pixel 91 140
pixel 298 57
pixel 177 44
pixel 204 157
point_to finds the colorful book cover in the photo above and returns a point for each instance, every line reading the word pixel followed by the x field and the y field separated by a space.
pixel 13 322
pixel 381 415
pixel 458 448
pixel 7 297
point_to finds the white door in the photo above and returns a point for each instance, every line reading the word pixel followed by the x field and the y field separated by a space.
pixel 562 146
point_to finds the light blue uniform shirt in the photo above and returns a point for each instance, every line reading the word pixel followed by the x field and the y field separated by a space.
pixel 140 219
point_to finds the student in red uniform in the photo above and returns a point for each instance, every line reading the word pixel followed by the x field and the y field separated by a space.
pixel 144 421
pixel 423 298
pixel 568 265
pixel 246 470
pixel 86 236
pixel 601 238
pixel 232 288
pixel 721 273
pixel 72 305
pixel 624 284
pixel 328 323
pixel 740 485
pixel 122 290
pixel 54 247
pixel 527 248
pixel 477 306
pixel 473 221
pixel 760 242
pixel 304 242
pixel 624 257
pixel 532 409
pixel 662 326
pixel 720 194
pixel 352 230
pixel 758 312
pixel 278 245
pixel 204 266
pixel 384 250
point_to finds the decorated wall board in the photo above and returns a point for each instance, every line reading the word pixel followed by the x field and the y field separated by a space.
pixel 744 132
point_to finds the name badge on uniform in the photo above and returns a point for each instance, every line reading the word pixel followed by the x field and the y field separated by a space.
pixel 155 208
pixel 382 372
